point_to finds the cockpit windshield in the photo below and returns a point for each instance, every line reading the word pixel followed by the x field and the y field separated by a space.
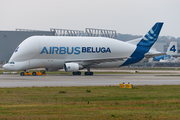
pixel 10 63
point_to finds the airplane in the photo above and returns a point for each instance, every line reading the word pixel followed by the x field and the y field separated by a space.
pixel 162 58
pixel 76 53
pixel 172 50
pixel 173 53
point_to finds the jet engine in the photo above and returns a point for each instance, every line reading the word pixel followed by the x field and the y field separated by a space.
pixel 72 67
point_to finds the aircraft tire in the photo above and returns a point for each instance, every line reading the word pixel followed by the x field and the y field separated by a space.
pixel 74 73
pixel 77 73
pixel 22 73
pixel 88 73
pixel 34 73
pixel 85 73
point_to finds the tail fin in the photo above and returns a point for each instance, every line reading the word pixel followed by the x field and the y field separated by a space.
pixel 172 49
pixel 150 38
pixel 145 44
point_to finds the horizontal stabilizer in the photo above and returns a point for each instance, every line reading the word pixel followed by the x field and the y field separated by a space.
pixel 147 55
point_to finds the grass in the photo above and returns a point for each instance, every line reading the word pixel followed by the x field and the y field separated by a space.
pixel 108 102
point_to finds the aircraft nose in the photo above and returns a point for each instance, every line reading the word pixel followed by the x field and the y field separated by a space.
pixel 5 67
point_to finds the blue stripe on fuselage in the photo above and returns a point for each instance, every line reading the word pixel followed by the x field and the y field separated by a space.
pixel 137 56
pixel 145 44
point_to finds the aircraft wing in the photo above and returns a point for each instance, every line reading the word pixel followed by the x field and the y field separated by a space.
pixel 98 60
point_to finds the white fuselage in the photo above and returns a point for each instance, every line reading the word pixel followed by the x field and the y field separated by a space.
pixel 54 51
pixel 76 53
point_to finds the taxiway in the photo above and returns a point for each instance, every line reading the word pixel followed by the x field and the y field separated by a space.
pixel 96 80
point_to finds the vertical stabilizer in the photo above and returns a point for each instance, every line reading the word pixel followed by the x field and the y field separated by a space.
pixel 150 38
pixel 145 44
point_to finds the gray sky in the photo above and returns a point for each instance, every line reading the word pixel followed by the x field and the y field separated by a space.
pixel 125 16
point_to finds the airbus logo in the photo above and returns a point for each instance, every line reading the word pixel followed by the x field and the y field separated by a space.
pixel 74 50
pixel 16 49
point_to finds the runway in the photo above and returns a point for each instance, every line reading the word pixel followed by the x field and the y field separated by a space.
pixel 96 80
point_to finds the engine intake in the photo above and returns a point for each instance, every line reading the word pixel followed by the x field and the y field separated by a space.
pixel 72 67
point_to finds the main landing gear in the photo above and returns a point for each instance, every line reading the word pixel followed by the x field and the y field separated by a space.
pixel 76 73
pixel 85 73
pixel 88 71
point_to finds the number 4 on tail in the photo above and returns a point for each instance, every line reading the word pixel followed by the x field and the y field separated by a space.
pixel 173 48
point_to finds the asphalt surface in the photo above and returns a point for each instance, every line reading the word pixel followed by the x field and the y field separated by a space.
pixel 10 80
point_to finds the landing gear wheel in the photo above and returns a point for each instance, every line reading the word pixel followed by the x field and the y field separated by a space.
pixel 76 73
pixel 88 73
pixel 22 73
pixel 34 73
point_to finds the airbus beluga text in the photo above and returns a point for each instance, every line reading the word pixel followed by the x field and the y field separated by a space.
pixel 75 53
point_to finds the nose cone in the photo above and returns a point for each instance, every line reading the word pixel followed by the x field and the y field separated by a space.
pixel 9 67
pixel 5 67
pixel 16 66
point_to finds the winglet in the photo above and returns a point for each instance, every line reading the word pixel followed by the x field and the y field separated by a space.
pixel 150 38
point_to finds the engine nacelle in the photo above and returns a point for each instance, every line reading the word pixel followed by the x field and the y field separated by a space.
pixel 51 69
pixel 72 67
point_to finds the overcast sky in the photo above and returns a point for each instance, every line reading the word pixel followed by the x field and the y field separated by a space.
pixel 125 16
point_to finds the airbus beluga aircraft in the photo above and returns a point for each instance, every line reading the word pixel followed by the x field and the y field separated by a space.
pixel 75 53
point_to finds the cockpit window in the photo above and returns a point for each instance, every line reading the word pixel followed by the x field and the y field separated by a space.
pixel 10 62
